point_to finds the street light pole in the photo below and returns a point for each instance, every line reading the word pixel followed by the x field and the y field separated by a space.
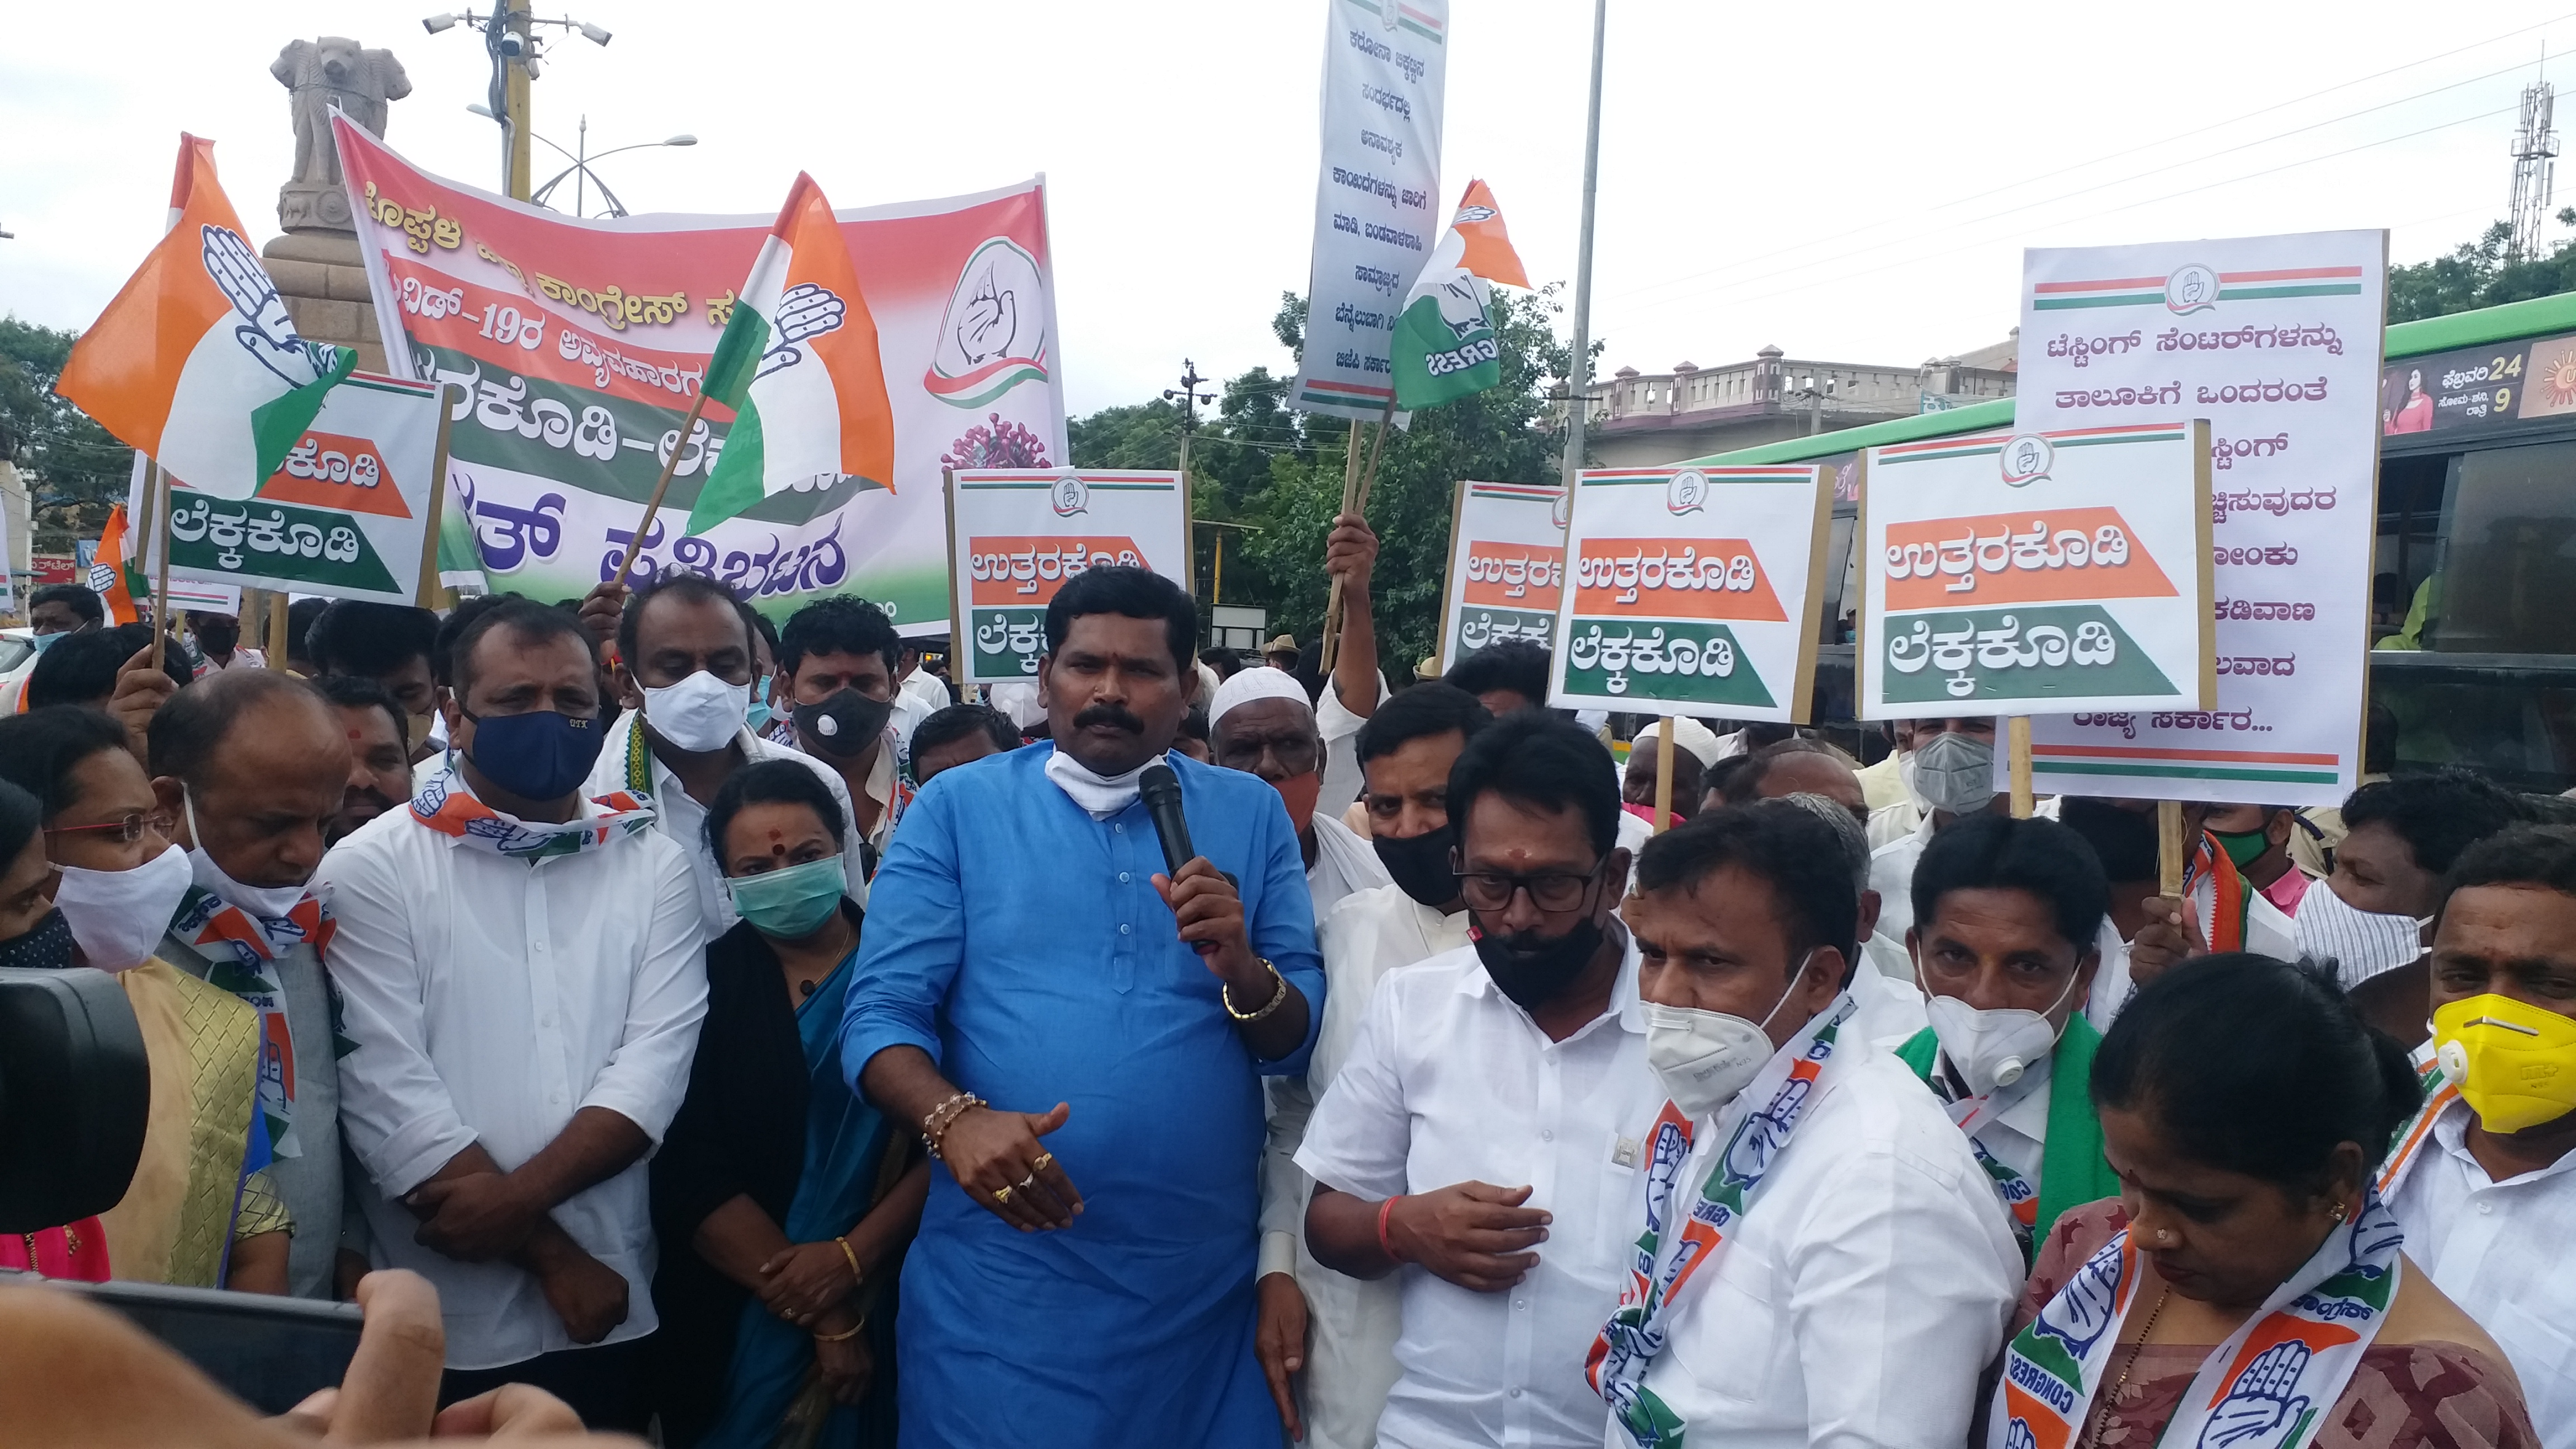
pixel 1579 373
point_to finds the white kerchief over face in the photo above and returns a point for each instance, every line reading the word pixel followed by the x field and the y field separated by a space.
pixel 1248 685
pixel 1101 795
pixel 2360 943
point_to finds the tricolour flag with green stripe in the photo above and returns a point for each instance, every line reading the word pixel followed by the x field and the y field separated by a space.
pixel 1444 345
pixel 798 365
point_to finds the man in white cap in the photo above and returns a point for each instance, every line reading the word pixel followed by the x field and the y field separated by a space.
pixel 1260 723
pixel 1694 750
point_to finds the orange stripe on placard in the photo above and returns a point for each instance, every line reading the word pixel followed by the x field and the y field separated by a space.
pixel 2043 556
pixel 2141 752
pixel 1514 575
pixel 1024 573
pixel 1659 578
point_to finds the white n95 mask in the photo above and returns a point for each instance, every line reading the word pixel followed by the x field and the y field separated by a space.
pixel 701 714
pixel 1995 1048
pixel 1705 1059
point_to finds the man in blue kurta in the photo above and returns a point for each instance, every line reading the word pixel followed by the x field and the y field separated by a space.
pixel 1081 1039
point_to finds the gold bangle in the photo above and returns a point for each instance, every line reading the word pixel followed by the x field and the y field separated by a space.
pixel 856 1277
pixel 844 1336
pixel 1278 994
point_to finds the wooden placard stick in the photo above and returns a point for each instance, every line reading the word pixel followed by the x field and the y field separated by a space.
pixel 2017 765
pixel 161 584
pixel 1663 776
pixel 426 590
pixel 2171 853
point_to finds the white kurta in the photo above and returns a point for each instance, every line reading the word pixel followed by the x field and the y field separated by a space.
pixel 1344 865
pixel 490 1000
pixel 1352 1322
pixel 1451 1082
pixel 1861 1294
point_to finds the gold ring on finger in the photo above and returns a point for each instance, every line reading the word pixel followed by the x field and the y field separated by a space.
pixel 1045 1161
pixel 1001 1194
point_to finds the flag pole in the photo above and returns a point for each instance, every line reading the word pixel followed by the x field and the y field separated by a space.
pixel 1579 369
pixel 161 585
pixel 1350 501
pixel 653 505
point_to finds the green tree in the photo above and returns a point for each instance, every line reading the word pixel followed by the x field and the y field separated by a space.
pixel 1138 435
pixel 1503 435
pixel 73 470
pixel 2480 274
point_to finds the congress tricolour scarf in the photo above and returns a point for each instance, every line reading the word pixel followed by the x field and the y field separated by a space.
pixel 2439 1093
pixel 241 952
pixel 2266 1387
pixel 798 365
pixel 1628 1343
pixel 446 806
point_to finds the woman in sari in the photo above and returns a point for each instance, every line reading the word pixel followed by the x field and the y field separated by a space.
pixel 33 936
pixel 2247 1289
pixel 201 1211
pixel 783 1202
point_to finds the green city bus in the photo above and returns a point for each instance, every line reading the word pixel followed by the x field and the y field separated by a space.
pixel 2473 590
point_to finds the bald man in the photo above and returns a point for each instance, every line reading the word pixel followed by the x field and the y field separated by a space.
pixel 252 766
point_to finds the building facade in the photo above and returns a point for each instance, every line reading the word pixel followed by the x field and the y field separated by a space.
pixel 1643 419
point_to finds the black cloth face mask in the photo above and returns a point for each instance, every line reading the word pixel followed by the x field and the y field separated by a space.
pixel 47 946
pixel 1420 865
pixel 1532 969
pixel 845 723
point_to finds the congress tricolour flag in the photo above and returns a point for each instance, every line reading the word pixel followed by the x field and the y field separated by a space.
pixel 1444 343
pixel 798 365
pixel 196 362
pixel 112 573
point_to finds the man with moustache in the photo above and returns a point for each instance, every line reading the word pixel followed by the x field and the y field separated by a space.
pixel 1330 1369
pixel 1080 1038
pixel 379 762
pixel 1483 1140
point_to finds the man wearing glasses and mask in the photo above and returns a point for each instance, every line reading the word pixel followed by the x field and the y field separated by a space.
pixel 1484 1142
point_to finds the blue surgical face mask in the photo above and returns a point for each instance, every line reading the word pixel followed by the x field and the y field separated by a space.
pixel 759 715
pixel 46 641
pixel 792 903
pixel 540 755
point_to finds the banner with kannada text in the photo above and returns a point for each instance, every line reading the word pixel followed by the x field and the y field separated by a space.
pixel 581 344
pixel 1693 591
pixel 2276 341
pixel 1016 536
pixel 2008 573
pixel 1506 567
pixel 1377 196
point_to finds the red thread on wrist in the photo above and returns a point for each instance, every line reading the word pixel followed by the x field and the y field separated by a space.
pixel 1385 1245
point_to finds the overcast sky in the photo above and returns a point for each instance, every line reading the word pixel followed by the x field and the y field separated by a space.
pixel 1851 182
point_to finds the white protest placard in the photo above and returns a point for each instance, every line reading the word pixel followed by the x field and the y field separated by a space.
pixel 344 516
pixel 1015 535
pixel 1506 567
pixel 1693 591
pixel 2276 341
pixel 1377 196
pixel 2011 573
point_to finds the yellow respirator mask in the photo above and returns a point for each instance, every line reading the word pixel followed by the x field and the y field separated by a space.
pixel 2515 1064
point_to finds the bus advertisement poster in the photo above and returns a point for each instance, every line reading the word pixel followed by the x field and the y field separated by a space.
pixel 1015 535
pixel 1693 590
pixel 2276 342
pixel 1506 567
pixel 2025 573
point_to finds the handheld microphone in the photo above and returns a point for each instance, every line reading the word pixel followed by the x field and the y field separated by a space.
pixel 1161 791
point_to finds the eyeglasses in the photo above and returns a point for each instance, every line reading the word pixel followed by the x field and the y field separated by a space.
pixel 1298 754
pixel 129 827
pixel 1553 891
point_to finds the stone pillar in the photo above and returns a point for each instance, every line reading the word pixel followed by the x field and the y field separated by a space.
pixel 317 265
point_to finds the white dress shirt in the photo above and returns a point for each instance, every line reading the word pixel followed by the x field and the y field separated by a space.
pixel 1451 1082
pixel 1352 1322
pixel 490 1000
pixel 683 821
pixel 2499 1250
pixel 2018 1135
pixel 1344 865
pixel 1343 778
pixel 1863 1291
pixel 1891 874
pixel 1634 832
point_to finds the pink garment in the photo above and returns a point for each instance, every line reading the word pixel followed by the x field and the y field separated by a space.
pixel 1647 814
pixel 77 1251
pixel 2286 891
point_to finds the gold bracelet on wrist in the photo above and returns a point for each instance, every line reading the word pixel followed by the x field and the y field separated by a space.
pixel 856 1277
pixel 844 1335
pixel 1278 994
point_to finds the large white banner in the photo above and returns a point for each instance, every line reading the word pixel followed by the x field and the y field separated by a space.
pixel 2276 341
pixel 1506 567
pixel 1377 195
pixel 1693 591
pixel 1016 535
